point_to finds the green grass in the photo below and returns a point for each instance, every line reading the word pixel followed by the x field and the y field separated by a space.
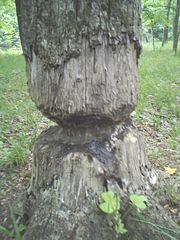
pixel 159 99
pixel 18 115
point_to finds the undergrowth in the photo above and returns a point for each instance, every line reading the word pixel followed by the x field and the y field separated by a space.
pixel 18 115
pixel 159 93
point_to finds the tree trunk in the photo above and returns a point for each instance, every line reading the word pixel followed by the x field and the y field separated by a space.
pixel 81 61
pixel 81 57
pixel 166 27
pixel 72 167
pixel 176 27
pixel 153 38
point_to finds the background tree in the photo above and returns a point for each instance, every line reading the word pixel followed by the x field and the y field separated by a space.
pixel 166 27
pixel 9 35
pixel 176 27
pixel 154 17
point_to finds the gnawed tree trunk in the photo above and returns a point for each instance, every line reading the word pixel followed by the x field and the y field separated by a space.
pixel 72 167
pixel 81 61
pixel 81 57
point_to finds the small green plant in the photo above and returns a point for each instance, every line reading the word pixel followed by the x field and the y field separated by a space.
pixel 154 154
pixel 139 201
pixel 171 191
pixel 158 105
pixel 110 204
pixel 173 138
pixel 18 229
pixel 18 115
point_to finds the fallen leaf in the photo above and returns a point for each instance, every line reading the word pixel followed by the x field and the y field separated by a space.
pixel 166 206
pixel 170 170
pixel 173 210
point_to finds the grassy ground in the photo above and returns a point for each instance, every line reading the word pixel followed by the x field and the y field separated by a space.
pixel 18 115
pixel 159 99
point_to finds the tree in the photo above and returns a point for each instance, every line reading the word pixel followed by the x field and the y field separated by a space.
pixel 9 36
pixel 81 59
pixel 176 27
pixel 154 16
pixel 166 27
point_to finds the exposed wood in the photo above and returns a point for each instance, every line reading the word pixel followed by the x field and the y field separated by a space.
pixel 72 167
pixel 81 57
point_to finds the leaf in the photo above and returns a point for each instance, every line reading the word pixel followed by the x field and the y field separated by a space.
pixel 174 210
pixel 170 170
pixel 6 231
pixel 139 201
pixel 21 227
pixel 107 196
pixel 120 229
pixel 112 201
pixel 106 207
pixel 17 232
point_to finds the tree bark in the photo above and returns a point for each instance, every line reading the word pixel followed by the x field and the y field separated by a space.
pixel 81 57
pixel 176 27
pixel 166 27
pixel 81 61
pixel 72 167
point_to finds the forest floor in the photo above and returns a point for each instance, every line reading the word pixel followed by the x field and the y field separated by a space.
pixel 156 116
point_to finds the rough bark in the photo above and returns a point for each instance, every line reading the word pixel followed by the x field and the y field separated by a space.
pixel 166 27
pixel 81 57
pixel 72 167
pixel 176 27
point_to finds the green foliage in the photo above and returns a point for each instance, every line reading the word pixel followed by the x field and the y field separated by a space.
pixel 153 13
pixel 18 115
pixel 5 231
pixel 18 229
pixel 172 232
pixel 174 136
pixel 139 201
pixel 110 204
pixel 154 153
pixel 159 92
pixel 157 15
pixel 9 36
pixel 119 226
pixel 171 191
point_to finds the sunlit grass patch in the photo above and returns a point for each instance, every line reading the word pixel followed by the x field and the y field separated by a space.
pixel 159 99
pixel 18 115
